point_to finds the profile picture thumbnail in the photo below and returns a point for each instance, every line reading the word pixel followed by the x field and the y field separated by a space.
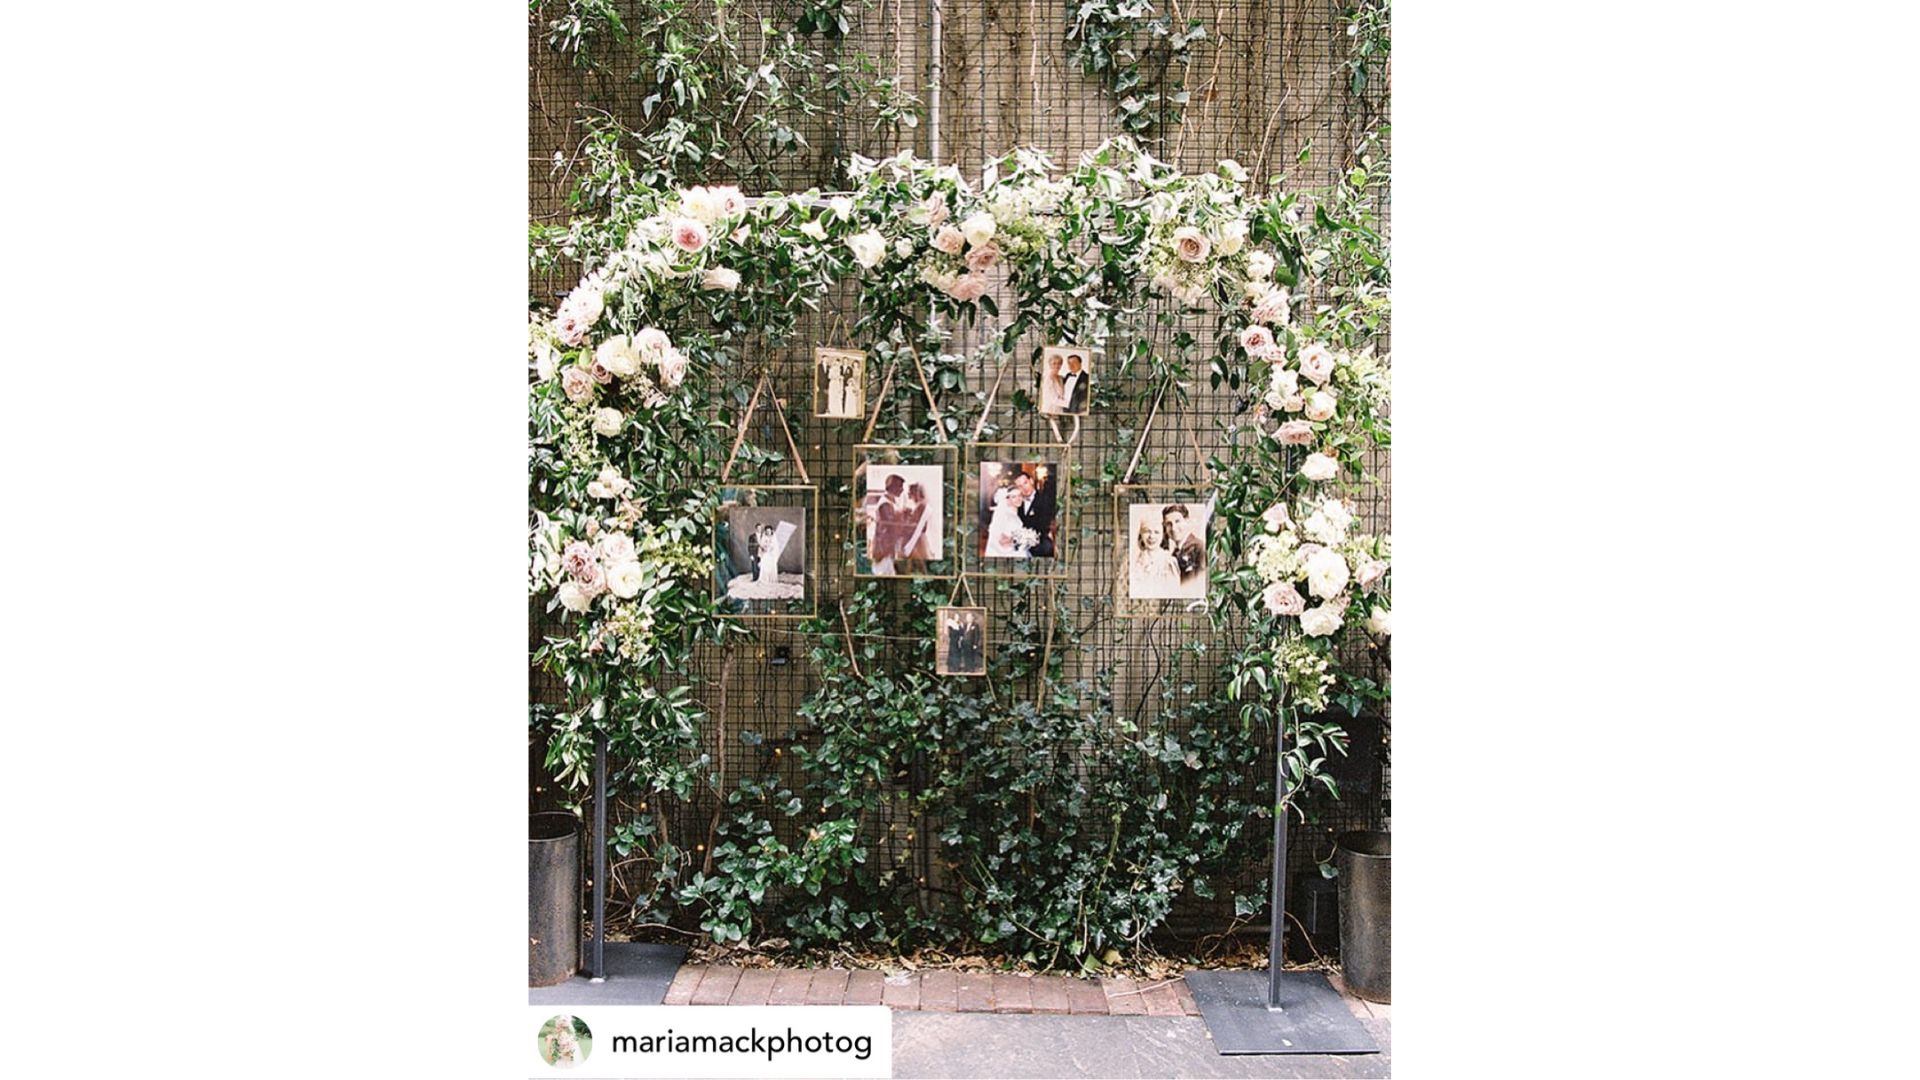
pixel 565 1041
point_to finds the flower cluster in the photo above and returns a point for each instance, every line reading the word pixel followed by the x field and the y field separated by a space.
pixel 959 256
pixel 1344 574
pixel 617 567
pixel 1197 236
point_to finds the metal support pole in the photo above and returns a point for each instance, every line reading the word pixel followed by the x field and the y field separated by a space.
pixel 1276 934
pixel 597 959
pixel 933 83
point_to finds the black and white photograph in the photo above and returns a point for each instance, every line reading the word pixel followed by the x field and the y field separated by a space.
pixel 960 647
pixel 761 541
pixel 839 383
pixel 1019 508
pixel 1167 550
pixel 902 521
pixel 1066 380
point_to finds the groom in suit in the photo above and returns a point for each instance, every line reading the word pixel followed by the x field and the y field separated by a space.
pixel 1073 383
pixel 1036 512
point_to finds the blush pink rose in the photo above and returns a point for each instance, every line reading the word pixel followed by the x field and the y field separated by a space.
pixel 968 287
pixel 1320 406
pixel 1369 574
pixel 673 368
pixel 577 383
pixel 576 559
pixel 1294 433
pixel 1282 598
pixel 936 208
pixel 981 259
pixel 570 327
pixel 1258 341
pixel 949 240
pixel 1293 403
pixel 689 235
pixel 601 374
pixel 1316 363
pixel 593 581
pixel 1271 307
pixel 1276 517
pixel 1191 244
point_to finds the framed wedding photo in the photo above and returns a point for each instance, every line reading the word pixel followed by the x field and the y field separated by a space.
pixel 1161 533
pixel 839 384
pixel 1017 506
pixel 765 540
pixel 960 641
pixel 903 503
pixel 1066 380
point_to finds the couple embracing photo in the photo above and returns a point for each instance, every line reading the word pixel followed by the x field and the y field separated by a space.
pixel 1018 506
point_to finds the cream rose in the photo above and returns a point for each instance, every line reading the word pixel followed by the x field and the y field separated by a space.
pixel 1380 621
pixel 1294 433
pixel 703 204
pixel 574 598
pixel 689 234
pixel 1257 340
pixel 606 422
pixel 618 356
pixel 1316 363
pixel 978 229
pixel 1328 522
pixel 652 343
pixel 1282 598
pixel 624 580
pixel 1326 574
pixel 903 247
pixel 1190 243
pixel 1272 307
pixel 722 278
pixel 949 240
pixel 1259 265
pixel 1319 467
pixel 615 548
pixel 578 384
pixel 1233 237
pixel 1320 621
pixel 1320 406
pixel 868 248
pixel 1368 574
pixel 1276 517
pixel 673 368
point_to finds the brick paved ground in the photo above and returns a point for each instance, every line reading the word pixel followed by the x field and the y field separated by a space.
pixel 930 991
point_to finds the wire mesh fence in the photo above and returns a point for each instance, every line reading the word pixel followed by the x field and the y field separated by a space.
pixel 1275 86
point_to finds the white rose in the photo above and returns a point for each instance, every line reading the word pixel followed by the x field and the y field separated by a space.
pixel 815 230
pixel 1259 265
pixel 1380 621
pixel 1316 363
pixel 722 278
pixel 651 343
pixel 587 300
pixel 624 580
pixel 868 248
pixel 1233 237
pixel 1233 171
pixel 573 597
pixel 616 548
pixel 841 206
pixel 607 422
pixel 673 368
pixel 546 360
pixel 1328 523
pixel 1320 406
pixel 705 204
pixel 1319 467
pixel 1326 574
pixel 618 355
pixel 1320 621
pixel 978 229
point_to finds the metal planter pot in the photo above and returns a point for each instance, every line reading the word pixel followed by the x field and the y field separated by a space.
pixel 1365 860
pixel 553 898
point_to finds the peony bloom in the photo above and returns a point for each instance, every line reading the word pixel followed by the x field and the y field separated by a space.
pixel 978 229
pixel 1233 171
pixel 652 343
pixel 673 368
pixel 841 206
pixel 1259 265
pixel 615 548
pixel 578 384
pixel 1258 342
pixel 1368 574
pixel 721 278
pixel 618 356
pixel 1282 598
pixel 967 288
pixel 1319 467
pixel 982 259
pixel 1321 621
pixel 1233 237
pixel 1326 574
pixel 588 300
pixel 1316 363
pixel 1276 517
pixel 1294 433
pixel 1380 621
pixel 815 230
pixel 624 580
pixel 1320 406
pixel 689 235
pixel 949 240
pixel 1190 243
pixel 607 422
pixel 573 598
pixel 868 248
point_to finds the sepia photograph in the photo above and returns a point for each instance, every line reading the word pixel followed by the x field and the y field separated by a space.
pixel 960 647
pixel 903 526
pixel 1066 377
pixel 762 538
pixel 839 383
pixel 1019 509
pixel 1167 550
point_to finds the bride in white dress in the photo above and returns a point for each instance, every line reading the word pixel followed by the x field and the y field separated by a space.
pixel 770 540
pixel 1004 539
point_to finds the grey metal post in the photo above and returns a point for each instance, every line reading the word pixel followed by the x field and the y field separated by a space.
pixel 598 968
pixel 933 84
pixel 1276 934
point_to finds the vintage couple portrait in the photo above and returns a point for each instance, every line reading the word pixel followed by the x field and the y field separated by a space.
pixel 960 641
pixel 761 536
pixel 1019 509
pixel 1167 559
pixel 1066 380
pixel 904 527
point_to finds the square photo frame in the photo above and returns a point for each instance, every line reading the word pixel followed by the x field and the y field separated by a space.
pixel 904 501
pixel 1018 509
pixel 839 384
pixel 1066 380
pixel 960 645
pixel 766 543
pixel 1163 550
